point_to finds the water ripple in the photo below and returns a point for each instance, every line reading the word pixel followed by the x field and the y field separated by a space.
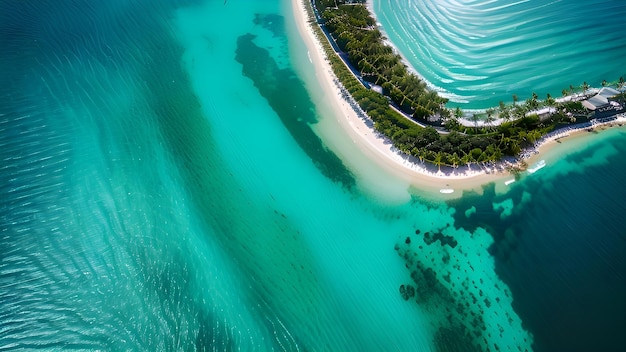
pixel 483 51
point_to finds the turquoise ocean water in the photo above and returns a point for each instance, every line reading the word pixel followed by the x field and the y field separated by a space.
pixel 480 52
pixel 162 187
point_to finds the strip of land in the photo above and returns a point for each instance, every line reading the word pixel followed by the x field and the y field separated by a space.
pixel 375 146
pixel 358 127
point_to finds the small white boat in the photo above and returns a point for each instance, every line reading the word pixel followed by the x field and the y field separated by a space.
pixel 446 190
pixel 509 181
pixel 541 164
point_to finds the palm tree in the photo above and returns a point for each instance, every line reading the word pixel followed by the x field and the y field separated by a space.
pixel 519 112
pixel 466 159
pixel 455 159
pixel 549 100
pixel 585 86
pixel 438 160
pixel 505 115
pixel 420 155
pixel 475 120
pixel 458 113
pixel 490 119
pixel 502 106
pixel 531 104
pixel 564 92
pixel 514 99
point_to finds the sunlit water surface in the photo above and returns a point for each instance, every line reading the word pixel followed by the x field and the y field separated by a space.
pixel 480 52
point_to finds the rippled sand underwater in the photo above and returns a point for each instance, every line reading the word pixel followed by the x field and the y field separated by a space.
pixel 162 189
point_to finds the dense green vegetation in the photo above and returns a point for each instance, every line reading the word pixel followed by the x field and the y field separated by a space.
pixel 356 35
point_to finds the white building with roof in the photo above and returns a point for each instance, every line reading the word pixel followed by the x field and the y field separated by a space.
pixel 608 92
pixel 595 102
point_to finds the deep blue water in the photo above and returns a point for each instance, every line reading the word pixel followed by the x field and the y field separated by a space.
pixel 562 251
pixel 568 268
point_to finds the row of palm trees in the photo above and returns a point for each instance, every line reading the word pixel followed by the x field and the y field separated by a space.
pixel 620 84
pixel 516 111
pixel 357 35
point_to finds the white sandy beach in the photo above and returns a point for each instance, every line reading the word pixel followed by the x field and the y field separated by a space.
pixel 366 138
pixel 377 148
pixel 571 136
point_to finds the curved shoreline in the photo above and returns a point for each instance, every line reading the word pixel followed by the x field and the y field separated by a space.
pixel 431 86
pixel 429 34
pixel 356 124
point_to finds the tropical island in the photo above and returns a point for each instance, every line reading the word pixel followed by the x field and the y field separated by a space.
pixel 417 121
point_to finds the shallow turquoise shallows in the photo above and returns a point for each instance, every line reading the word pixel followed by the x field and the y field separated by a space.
pixel 162 188
pixel 478 53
